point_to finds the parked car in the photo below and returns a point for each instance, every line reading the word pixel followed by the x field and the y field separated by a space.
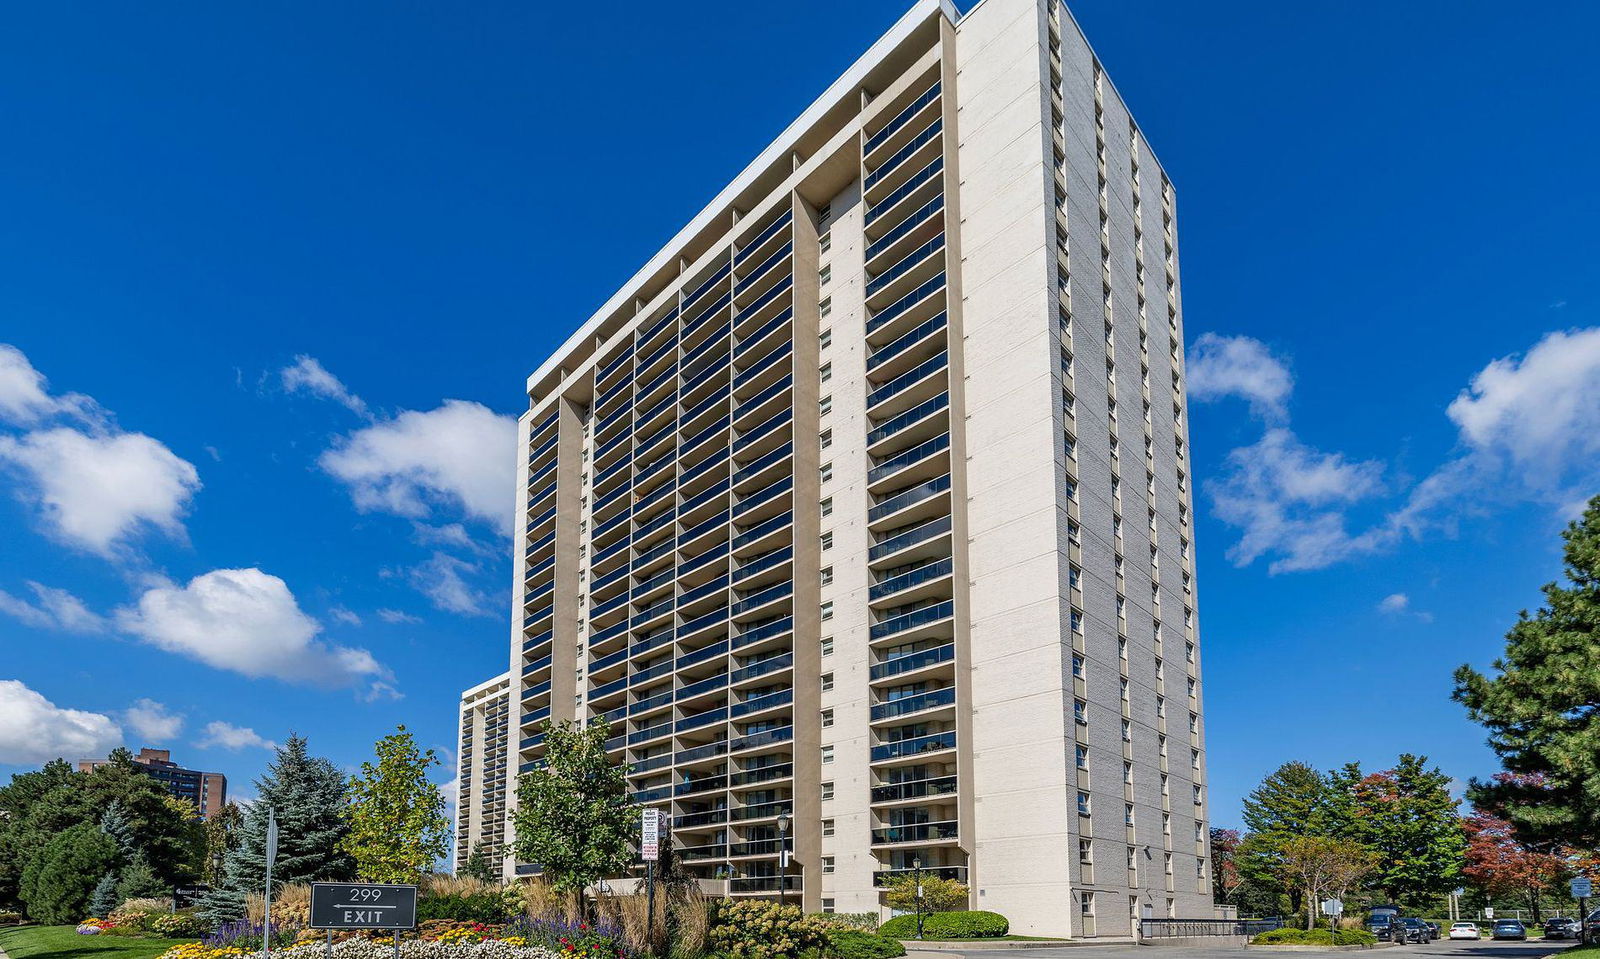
pixel 1590 931
pixel 1509 929
pixel 1380 926
pixel 1434 928
pixel 1561 928
pixel 1464 930
pixel 1410 929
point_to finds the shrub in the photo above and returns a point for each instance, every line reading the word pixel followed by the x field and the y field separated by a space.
pixel 291 905
pixel 9 918
pixel 758 929
pixel 975 924
pixel 856 944
pixel 1314 937
pixel 58 880
pixel 938 894
pixel 485 906
pixel 867 921
pixel 179 925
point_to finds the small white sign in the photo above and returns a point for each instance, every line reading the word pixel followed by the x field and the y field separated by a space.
pixel 1332 907
pixel 650 836
pixel 1582 888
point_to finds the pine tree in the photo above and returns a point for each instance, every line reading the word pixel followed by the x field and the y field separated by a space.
pixel 139 881
pixel 1539 707
pixel 104 898
pixel 1291 803
pixel 478 866
pixel 58 882
pixel 114 823
pixel 398 828
pixel 307 794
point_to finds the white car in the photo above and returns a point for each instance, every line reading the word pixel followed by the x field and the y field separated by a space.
pixel 1463 930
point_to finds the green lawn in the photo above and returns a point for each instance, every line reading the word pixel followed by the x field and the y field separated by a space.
pixel 61 942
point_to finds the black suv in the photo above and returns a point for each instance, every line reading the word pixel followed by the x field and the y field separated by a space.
pixel 1408 929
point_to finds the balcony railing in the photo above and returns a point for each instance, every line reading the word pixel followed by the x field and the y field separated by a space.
pixel 776 627
pixel 882 877
pixel 916 577
pixel 765 738
pixel 902 118
pixel 904 303
pixel 917 373
pixel 915 746
pixel 769 701
pixel 766 234
pixel 909 497
pixel 763 528
pixel 914 789
pixel 768 359
pixel 765 884
pixel 923 214
pixel 911 537
pixel 915 454
pixel 930 132
pixel 766 393
pixel 776 290
pixel 915 704
pixel 763 597
pixel 704 287
pixel 897 665
pixel 769 665
pixel 743 282
pixel 921 332
pixel 918 832
pixel 916 414
pixel 764 562
pixel 906 189
pixel 754 467
pixel 922 616
pixel 767 329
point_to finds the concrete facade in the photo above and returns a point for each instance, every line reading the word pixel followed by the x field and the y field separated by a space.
pixel 207 791
pixel 862 511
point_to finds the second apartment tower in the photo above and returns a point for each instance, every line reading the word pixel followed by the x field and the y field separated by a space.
pixel 862 511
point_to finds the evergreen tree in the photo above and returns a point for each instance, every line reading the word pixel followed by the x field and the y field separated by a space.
pixel 139 881
pixel 478 866
pixel 397 825
pixel 1539 708
pixel 104 898
pixel 57 883
pixel 1291 803
pixel 307 794
pixel 114 823
pixel 34 807
pixel 221 836
pixel 574 816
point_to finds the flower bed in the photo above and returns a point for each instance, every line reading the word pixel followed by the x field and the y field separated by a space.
pixel 377 949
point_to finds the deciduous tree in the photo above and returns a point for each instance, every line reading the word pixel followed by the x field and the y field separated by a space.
pixel 573 814
pixel 1406 817
pixel 1539 705
pixel 1321 866
pixel 395 814
pixel 938 894
pixel 1502 865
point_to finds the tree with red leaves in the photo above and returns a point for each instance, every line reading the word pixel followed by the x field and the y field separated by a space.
pixel 1225 877
pixel 1504 866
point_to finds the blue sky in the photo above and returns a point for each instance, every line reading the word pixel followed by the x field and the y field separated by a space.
pixel 286 269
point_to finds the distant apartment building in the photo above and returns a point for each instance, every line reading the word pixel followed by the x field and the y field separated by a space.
pixel 208 791
pixel 862 511
pixel 481 767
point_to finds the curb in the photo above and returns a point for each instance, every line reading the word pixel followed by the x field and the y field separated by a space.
pixel 914 946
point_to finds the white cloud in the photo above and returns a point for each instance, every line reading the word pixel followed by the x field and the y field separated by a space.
pixel 94 491
pixel 397 616
pixel 52 609
pixel 1239 366
pixel 152 721
pixel 25 397
pixel 35 730
pixel 439 578
pixel 1539 415
pixel 307 375
pixel 219 734
pixel 1288 500
pixel 461 456
pixel 1395 603
pixel 246 621
pixel 345 616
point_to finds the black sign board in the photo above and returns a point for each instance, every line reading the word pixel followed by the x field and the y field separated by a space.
pixel 355 905
pixel 185 896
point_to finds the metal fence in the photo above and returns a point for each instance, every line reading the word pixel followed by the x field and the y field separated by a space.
pixel 1201 928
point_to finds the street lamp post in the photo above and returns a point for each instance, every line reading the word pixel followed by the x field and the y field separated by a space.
pixel 916 866
pixel 783 858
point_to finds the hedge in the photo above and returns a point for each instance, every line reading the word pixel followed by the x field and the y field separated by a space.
pixel 1314 937
pixel 856 944
pixel 948 925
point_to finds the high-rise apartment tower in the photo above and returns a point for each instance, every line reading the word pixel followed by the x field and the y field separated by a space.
pixel 862 510
pixel 482 764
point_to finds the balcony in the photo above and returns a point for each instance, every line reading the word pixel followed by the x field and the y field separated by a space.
pixel 761 335
pixel 919 703
pixel 911 662
pixel 761 740
pixel 883 877
pixel 777 627
pixel 761 668
pixel 890 242
pixel 760 704
pixel 919 263
pixel 758 468
pixel 765 597
pixel 767 810
pixel 920 832
pixel 752 373
pixel 912 425
pixel 763 563
pixel 744 283
pixel 933 572
pixel 907 304
pixel 907 498
pixel 909 538
pixel 767 233
pixel 771 295
pixel 900 462
pixel 928 174
pixel 914 621
pixel 763 404
pixel 884 175
pixel 706 285
pixel 761 884
pixel 900 120
pixel 759 847
pixel 921 333
pixel 914 789
pixel 762 774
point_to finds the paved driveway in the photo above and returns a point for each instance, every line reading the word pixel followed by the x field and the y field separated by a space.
pixel 1443 949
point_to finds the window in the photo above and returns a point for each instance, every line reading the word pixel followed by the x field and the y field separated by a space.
pixel 826 373
pixel 827 611
pixel 824 242
pixel 1080 712
pixel 827 472
pixel 827 718
pixel 827 645
pixel 1188 651
pixel 1074 576
pixel 1198 796
pixel 1127 814
pixel 1194 759
pixel 827 867
pixel 1127 731
pixel 1077 666
pixel 827 827
pixel 826 439
pixel 1087 900
pixel 827 790
pixel 827 681
pixel 1166 825
pixel 825 339
pixel 827 754
pixel 823 213
pixel 1083 757
pixel 1133 857
pixel 827 904
pixel 827 506
pixel 825 274
pixel 825 405
pixel 1077 621
pixel 827 541
pixel 1127 773
pixel 827 575
pixel 1085 852
pixel 1199 868
pixel 1199 831
pixel 1083 803
pixel 1166 862
pixel 825 307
